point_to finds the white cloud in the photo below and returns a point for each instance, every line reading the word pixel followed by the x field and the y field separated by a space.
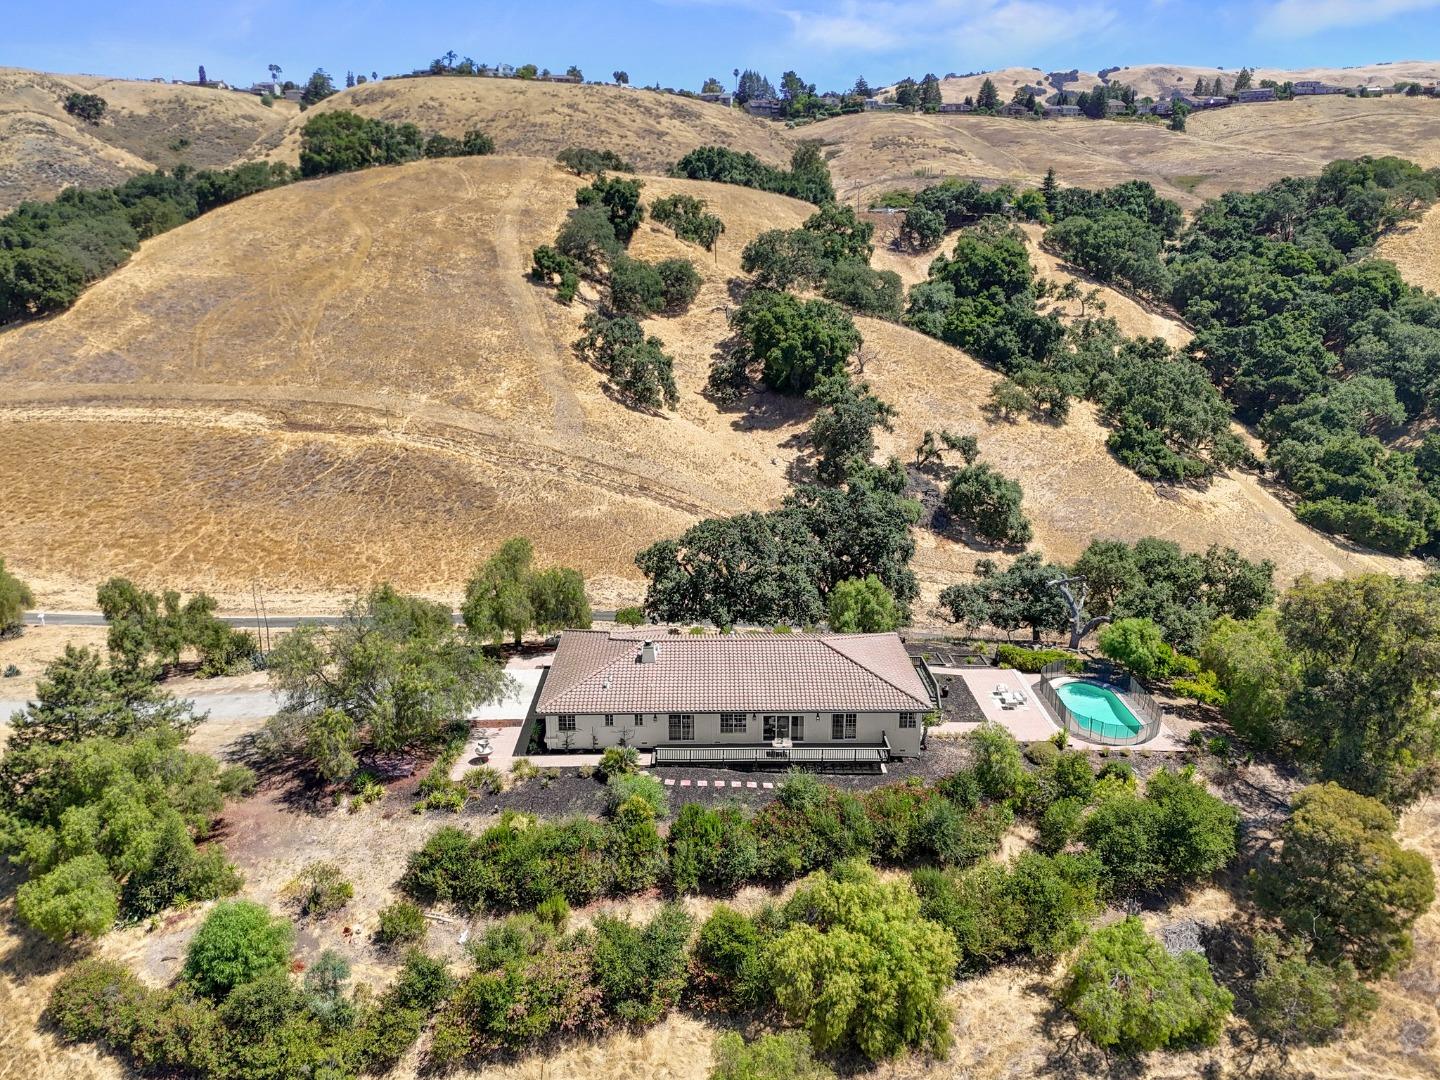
pixel 1301 18
pixel 1000 31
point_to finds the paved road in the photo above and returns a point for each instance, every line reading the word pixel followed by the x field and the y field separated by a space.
pixel 246 622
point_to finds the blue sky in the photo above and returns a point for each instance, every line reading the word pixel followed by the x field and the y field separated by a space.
pixel 680 42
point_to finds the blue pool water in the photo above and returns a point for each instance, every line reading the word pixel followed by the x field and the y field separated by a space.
pixel 1099 709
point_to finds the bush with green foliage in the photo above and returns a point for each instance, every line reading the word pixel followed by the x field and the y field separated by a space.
pixel 1139 645
pixel 712 851
pixel 786 1055
pixel 687 217
pixel 792 343
pixel 620 200
pixel 1125 992
pixel 238 942
pixel 636 365
pixel 842 433
pixel 640 289
pixel 341 141
pixel 630 616
pixel 729 964
pixel 320 889
pixel 584 161
pixel 1177 833
pixel 865 291
pixel 1298 1001
pixel 641 970
pixel 863 606
pixel 549 265
pixel 50 251
pixel 809 826
pixel 401 923
pixel 808 177
pixel 859 966
pixel 15 597
pixel 394 673
pixel 102 806
pixel 621 788
pixel 1342 881
pixel 1038 906
pixel 88 107
pixel 147 631
pixel 988 504
pixel 1032 661
pixel 588 240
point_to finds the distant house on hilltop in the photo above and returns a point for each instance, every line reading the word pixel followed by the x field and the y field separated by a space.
pixel 1259 93
pixel 1311 87
pixel 727 99
pixel 763 107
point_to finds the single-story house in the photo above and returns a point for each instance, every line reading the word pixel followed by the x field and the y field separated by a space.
pixel 1314 86
pixel 955 107
pixel 1062 110
pixel 1258 93
pixel 772 699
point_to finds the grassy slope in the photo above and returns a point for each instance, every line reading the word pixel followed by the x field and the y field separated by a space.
pixel 44 149
pixel 401 398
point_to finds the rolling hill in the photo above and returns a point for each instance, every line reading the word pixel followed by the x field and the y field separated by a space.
pixel 44 149
pixel 352 379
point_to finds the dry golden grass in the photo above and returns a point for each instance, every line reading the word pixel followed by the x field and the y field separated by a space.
pixel 44 149
pixel 1241 147
pixel 193 423
pixel 537 119
pixel 1415 249
pixel 402 398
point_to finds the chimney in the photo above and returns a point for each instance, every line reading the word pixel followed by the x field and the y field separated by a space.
pixel 649 653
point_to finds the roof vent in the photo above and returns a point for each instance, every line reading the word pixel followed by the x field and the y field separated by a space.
pixel 649 652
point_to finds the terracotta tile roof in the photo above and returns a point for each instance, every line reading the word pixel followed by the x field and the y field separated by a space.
pixel 596 671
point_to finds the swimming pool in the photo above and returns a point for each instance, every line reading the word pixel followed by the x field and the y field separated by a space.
pixel 1099 710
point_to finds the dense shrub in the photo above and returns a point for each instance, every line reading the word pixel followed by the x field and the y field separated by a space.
pixel 999 770
pixel 808 177
pixel 638 366
pixel 619 761
pixel 401 923
pixel 641 970
pixel 899 816
pixel 619 199
pixel 1299 1001
pixel 648 789
pixel 809 826
pixel 1342 881
pixel 687 218
pixel 787 1055
pixel 729 963
pixel 321 888
pixel 238 942
pixel 637 851
pixel 582 160
pixel 549 265
pixel 15 597
pixel 77 897
pixel 859 966
pixel 1032 661
pixel 1126 992
pixel 1038 906
pixel 1176 834
pixel 712 851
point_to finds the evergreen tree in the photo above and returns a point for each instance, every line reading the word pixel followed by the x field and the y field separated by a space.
pixel 989 99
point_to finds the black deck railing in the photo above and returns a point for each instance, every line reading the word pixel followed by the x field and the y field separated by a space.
pixel 770 755
pixel 1146 709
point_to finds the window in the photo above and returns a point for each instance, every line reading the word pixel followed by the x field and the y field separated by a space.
pixel 842 725
pixel 566 721
pixel 732 723
pixel 907 719
pixel 797 729
pixel 639 719
pixel 609 719
pixel 682 727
